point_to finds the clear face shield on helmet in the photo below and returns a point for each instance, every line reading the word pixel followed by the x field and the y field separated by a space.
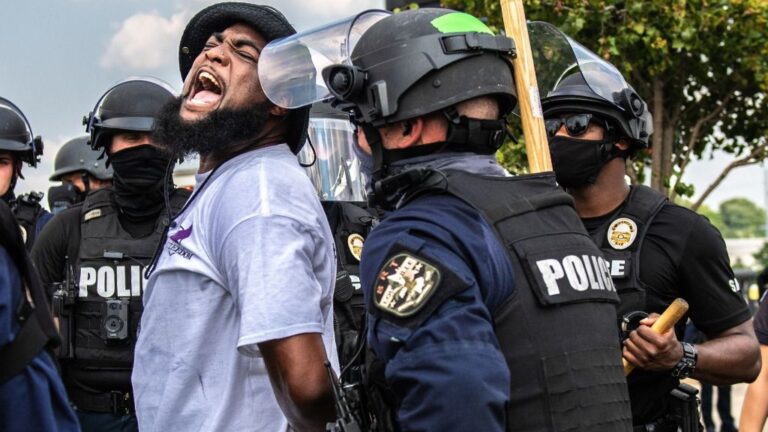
pixel 291 68
pixel 563 62
pixel 331 162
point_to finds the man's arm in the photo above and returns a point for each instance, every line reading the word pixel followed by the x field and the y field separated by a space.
pixel 50 249
pixel 300 380
pixel 754 411
pixel 725 358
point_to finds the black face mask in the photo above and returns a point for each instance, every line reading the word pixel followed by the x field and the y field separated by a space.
pixel 578 162
pixel 63 197
pixel 138 179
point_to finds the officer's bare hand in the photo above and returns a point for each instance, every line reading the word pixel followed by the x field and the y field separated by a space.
pixel 649 350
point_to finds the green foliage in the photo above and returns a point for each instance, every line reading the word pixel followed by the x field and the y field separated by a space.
pixel 706 61
pixel 742 218
pixel 761 256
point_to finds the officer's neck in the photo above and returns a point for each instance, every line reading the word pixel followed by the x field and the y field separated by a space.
pixel 608 192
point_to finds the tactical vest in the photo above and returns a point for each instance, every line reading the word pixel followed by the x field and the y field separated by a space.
pixel 109 272
pixel 350 224
pixel 642 205
pixel 26 208
pixel 557 331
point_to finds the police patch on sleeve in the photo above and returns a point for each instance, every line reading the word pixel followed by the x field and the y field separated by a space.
pixel 622 233
pixel 404 285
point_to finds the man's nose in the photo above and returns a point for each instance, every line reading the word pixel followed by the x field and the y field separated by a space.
pixel 218 54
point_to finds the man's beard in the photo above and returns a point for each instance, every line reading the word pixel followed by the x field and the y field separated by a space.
pixel 220 129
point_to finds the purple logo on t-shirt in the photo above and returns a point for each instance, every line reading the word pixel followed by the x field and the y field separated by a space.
pixel 182 234
pixel 174 246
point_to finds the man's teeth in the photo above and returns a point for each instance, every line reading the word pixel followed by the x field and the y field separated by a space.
pixel 208 81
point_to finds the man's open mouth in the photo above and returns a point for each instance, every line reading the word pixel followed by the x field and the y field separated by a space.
pixel 207 89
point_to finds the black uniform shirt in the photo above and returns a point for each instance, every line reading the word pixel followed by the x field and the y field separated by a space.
pixel 59 238
pixel 683 255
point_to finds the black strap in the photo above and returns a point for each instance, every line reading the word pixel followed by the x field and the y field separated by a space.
pixel 115 402
pixel 29 341
pixel 37 331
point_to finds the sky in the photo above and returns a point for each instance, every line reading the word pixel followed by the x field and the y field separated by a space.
pixel 59 56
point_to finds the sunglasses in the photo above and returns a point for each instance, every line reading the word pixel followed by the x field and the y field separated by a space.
pixel 575 124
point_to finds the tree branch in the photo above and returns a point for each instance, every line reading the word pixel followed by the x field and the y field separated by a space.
pixel 757 154
pixel 694 137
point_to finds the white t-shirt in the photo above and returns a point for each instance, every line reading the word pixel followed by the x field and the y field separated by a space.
pixel 249 260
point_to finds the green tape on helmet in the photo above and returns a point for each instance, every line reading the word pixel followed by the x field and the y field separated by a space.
pixel 458 22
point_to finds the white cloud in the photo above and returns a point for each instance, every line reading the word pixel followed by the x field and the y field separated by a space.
pixel 145 41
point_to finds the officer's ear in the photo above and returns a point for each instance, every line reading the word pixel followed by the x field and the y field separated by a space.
pixel 622 145
pixel 407 133
pixel 278 111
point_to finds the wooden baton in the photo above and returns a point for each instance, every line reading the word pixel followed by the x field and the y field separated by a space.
pixel 666 321
pixel 536 144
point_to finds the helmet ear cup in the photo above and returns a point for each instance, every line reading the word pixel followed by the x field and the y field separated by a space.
pixel 345 82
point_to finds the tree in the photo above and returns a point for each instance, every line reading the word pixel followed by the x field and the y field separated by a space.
pixel 742 218
pixel 702 66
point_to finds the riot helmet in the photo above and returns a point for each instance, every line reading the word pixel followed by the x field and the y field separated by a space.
pixel 398 67
pixel 16 135
pixel 573 79
pixel 331 159
pixel 394 67
pixel 77 156
pixel 268 22
pixel 130 105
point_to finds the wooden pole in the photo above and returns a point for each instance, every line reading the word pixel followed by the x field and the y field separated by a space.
pixel 536 143
pixel 666 321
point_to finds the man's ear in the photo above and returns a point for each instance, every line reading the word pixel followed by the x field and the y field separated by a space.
pixel 278 111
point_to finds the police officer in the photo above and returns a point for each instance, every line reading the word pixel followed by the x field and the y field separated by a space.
pixel 32 396
pixel 488 306
pixel 80 169
pixel 96 253
pixel 331 162
pixel 657 250
pixel 18 146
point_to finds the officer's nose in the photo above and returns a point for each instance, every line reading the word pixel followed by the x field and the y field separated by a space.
pixel 562 131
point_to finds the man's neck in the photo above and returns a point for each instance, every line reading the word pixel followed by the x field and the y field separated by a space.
pixel 211 160
pixel 608 192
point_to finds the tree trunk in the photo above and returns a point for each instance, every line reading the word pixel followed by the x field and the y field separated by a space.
pixel 667 144
pixel 657 153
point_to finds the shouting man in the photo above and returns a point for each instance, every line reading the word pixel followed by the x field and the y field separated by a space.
pixel 238 320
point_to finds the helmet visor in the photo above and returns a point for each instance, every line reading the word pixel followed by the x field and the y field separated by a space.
pixel 290 68
pixel 561 60
pixel 335 172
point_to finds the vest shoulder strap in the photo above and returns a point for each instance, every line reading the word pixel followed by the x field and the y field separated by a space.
pixel 643 204
pixel 100 200
pixel 26 211
pixel 522 194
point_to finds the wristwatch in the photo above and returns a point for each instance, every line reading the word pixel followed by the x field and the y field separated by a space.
pixel 685 367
